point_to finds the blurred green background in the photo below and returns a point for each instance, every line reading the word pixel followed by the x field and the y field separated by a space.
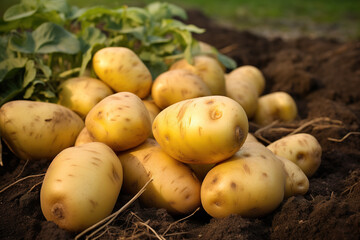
pixel 286 18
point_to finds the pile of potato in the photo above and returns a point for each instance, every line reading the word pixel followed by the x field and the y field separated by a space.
pixel 187 130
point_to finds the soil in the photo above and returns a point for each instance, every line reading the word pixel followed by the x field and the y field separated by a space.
pixel 322 74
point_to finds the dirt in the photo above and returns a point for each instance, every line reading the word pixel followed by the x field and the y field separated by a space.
pixel 322 74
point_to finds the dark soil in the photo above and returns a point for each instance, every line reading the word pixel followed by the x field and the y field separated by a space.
pixel 323 75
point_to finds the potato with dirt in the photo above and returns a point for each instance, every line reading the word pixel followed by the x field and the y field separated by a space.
pixel 80 94
pixel 302 148
pixel 176 85
pixel 251 183
pixel 209 70
pixel 174 186
pixel 35 130
pixel 202 130
pixel 122 70
pixel 275 106
pixel 120 120
pixel 81 186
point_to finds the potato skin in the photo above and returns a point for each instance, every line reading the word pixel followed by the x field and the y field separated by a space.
pixel 84 137
pixel 202 130
pixel 82 93
pixel 46 129
pixel 153 110
pixel 122 70
pixel 81 186
pixel 303 149
pixel 176 85
pixel 208 69
pixel 120 120
pixel 174 186
pixel 250 183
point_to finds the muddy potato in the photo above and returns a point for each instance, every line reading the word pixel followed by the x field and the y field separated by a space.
pixel 296 182
pixel 208 69
pixel 244 93
pixel 275 106
pixel 82 93
pixel 81 186
pixel 176 85
pixel 251 183
pixel 122 70
pixel 35 130
pixel 202 130
pixel 251 75
pixel 120 120
pixel 303 149
pixel 174 186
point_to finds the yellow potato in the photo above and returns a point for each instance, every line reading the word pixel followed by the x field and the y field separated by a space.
pixel 251 183
pixel 176 85
pixel 153 110
pixel 120 120
pixel 35 130
pixel 202 130
pixel 275 106
pixel 122 70
pixel 208 69
pixel 82 93
pixel 81 186
pixel 251 138
pixel 84 137
pixel 303 149
pixel 174 186
pixel 249 74
pixel 244 93
pixel 201 170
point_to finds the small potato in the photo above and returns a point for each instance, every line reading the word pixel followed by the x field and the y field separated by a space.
pixel 249 74
pixel 251 183
pixel 120 120
pixel 122 70
pixel 244 93
pixel 202 130
pixel 275 106
pixel 174 186
pixel 36 130
pixel 303 149
pixel 84 137
pixel 176 85
pixel 81 186
pixel 82 93
pixel 153 110
pixel 296 182
pixel 209 71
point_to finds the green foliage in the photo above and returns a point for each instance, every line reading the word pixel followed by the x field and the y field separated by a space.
pixel 46 41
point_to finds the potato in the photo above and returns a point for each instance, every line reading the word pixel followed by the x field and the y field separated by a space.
pixel 82 93
pixel 201 170
pixel 84 137
pixel 202 130
pixel 303 149
pixel 296 182
pixel 244 93
pixel 176 85
pixel 249 74
pixel 251 138
pixel 81 186
pixel 208 69
pixel 120 120
pixel 275 106
pixel 153 110
pixel 251 183
pixel 36 130
pixel 174 186
pixel 122 70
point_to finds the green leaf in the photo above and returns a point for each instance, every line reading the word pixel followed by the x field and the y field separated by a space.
pixel 22 43
pixel 9 65
pixel 30 72
pixel 227 61
pixel 19 11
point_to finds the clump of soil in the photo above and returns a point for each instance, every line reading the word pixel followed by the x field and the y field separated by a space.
pixel 323 75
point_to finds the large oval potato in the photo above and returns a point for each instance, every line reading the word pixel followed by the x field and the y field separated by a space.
pixel 120 120
pixel 122 70
pixel 176 85
pixel 303 149
pixel 82 93
pixel 35 130
pixel 201 130
pixel 251 183
pixel 208 69
pixel 174 186
pixel 81 186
